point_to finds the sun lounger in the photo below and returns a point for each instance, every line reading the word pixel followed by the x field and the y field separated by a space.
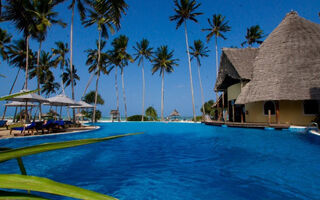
pixel 3 123
pixel 23 129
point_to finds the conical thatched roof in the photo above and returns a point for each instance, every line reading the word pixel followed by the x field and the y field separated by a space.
pixel 287 66
pixel 235 65
pixel 175 113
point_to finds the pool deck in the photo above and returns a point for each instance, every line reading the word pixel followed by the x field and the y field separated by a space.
pixel 4 133
pixel 248 125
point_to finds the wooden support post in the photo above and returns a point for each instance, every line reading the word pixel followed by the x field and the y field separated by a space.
pixel 242 114
pixel 233 116
pixel 269 116
pixel 277 112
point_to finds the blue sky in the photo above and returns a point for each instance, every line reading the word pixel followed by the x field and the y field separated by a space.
pixel 150 20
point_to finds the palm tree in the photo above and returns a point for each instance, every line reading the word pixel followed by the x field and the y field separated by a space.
pixel 45 17
pixel 66 76
pixel 197 51
pixel 5 39
pixel 19 12
pixel 97 63
pixel 60 52
pixel 43 70
pixel 17 58
pixel 82 11
pixel 218 26
pixel 164 62
pixel 143 51
pixel 106 15
pixel 254 35
pixel 122 57
pixel 185 10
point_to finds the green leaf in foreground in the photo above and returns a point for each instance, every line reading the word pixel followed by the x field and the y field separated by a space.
pixel 25 151
pixel 3 98
pixel 19 196
pixel 33 183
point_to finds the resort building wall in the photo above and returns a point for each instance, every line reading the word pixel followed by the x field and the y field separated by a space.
pixel 291 112
pixel 233 91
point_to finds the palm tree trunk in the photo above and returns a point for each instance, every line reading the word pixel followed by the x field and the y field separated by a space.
pixel 38 77
pixel 190 72
pixel 98 75
pixel 95 100
pixel 202 98
pixel 89 82
pixel 14 82
pixel 162 95
pixel 116 86
pixel 143 92
pixel 124 95
pixel 71 57
pixel 217 97
pixel 27 62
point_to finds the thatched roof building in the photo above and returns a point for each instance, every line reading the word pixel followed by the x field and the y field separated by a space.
pixel 287 64
pixel 235 65
pixel 175 113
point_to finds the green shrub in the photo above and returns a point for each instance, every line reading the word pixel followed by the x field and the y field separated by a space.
pixel 137 118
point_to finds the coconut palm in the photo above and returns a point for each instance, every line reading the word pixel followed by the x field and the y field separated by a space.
pixel 43 70
pixel 185 10
pixel 19 12
pixel 254 35
pixel 163 61
pixel 66 76
pixel 5 39
pixel 50 87
pixel 97 63
pixel 143 51
pixel 217 27
pixel 106 15
pixel 198 51
pixel 17 58
pixel 82 11
pixel 44 17
pixel 122 57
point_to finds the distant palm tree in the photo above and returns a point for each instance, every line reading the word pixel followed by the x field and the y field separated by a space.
pixel 50 87
pixel 164 62
pixel 5 39
pixel 185 10
pixel 97 63
pixel 60 53
pixel 43 71
pixel 254 35
pixel 19 13
pixel 17 58
pixel 106 15
pixel 66 76
pixel 122 58
pixel 218 26
pixel 82 11
pixel 44 17
pixel 143 51
pixel 197 51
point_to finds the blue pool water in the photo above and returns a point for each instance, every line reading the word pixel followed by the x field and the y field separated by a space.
pixel 182 161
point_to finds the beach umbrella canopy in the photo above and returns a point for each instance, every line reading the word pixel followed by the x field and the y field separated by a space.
pixel 32 97
pixel 82 104
pixel 19 104
pixel 61 100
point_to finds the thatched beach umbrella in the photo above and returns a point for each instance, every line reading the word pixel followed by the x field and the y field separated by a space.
pixel 31 97
pixel 18 104
pixel 61 100
pixel 174 115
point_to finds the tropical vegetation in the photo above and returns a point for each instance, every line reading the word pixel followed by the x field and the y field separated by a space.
pixel 164 62
pixel 185 10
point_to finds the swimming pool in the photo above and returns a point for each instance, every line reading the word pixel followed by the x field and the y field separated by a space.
pixel 182 161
